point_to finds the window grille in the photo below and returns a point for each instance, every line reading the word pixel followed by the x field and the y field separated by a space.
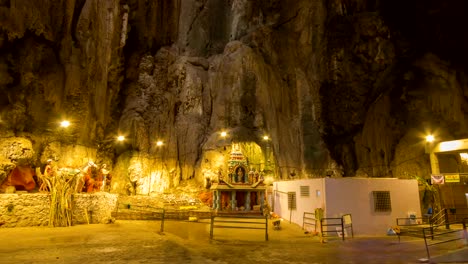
pixel 382 202
pixel 291 200
pixel 305 191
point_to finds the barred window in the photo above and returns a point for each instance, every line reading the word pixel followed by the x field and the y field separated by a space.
pixel 382 202
pixel 305 191
pixel 291 200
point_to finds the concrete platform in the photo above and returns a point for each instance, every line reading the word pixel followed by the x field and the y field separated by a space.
pixel 188 242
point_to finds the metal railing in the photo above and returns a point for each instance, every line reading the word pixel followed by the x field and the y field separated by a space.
pixel 309 219
pixel 239 222
pixel 411 226
pixel 440 218
pixel 447 216
pixel 344 222
pixel 138 212
pixel 442 237
pixel 457 214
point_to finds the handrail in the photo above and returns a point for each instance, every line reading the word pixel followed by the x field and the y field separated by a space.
pixel 410 226
pixel 439 218
pixel 433 235
pixel 457 214
pixel 444 217
pixel 235 219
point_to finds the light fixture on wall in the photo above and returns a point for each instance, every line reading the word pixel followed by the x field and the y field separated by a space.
pixel 65 123
pixel 223 135
pixel 430 138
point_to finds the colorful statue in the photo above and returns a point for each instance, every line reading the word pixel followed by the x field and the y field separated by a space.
pixel 251 176
pixel 89 176
pixel 48 173
pixel 103 179
pixel 240 174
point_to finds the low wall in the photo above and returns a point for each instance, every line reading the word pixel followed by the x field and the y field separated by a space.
pixel 18 210
pixel 95 208
pixel 32 209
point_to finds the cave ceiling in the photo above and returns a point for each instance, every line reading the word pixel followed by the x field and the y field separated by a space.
pixel 343 86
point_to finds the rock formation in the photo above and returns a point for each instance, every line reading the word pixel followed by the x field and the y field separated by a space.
pixel 342 87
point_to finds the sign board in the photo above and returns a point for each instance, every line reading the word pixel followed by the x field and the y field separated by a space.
pixel 452 177
pixel 437 179
pixel 347 219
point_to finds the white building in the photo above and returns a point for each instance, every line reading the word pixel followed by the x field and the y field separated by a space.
pixel 374 203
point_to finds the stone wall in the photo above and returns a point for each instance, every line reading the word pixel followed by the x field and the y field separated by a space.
pixel 97 207
pixel 19 210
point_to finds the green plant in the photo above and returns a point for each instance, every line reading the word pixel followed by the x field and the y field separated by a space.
pixel 430 197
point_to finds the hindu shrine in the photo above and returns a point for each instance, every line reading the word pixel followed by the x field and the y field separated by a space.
pixel 243 188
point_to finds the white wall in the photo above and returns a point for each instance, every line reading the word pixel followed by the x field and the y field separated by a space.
pixel 303 204
pixel 350 195
pixel 354 196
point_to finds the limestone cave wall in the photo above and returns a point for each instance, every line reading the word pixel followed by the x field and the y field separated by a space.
pixel 342 86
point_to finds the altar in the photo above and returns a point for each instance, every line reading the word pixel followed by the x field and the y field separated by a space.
pixel 242 190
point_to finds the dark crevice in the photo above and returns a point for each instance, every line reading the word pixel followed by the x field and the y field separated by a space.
pixel 76 16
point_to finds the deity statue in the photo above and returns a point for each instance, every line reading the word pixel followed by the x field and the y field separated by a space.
pixel 103 179
pixel 88 180
pixel 230 175
pixel 251 176
pixel 48 173
pixel 220 175
pixel 240 175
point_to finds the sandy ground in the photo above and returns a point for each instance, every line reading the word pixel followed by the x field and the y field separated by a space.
pixel 189 242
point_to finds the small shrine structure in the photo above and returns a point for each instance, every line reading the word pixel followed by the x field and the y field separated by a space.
pixel 242 190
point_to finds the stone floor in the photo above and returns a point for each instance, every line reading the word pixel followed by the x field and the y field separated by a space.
pixel 188 242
